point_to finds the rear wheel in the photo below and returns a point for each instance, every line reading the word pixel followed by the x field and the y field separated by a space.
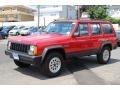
pixel 53 64
pixel 6 36
pixel 104 56
pixel 118 44
pixel 21 64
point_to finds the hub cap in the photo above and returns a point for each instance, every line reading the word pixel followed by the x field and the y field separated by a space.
pixel 105 55
pixel 55 64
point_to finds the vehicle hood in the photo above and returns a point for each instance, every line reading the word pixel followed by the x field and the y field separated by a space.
pixel 40 39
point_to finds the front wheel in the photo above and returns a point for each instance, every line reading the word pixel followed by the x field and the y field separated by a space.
pixel 17 33
pixel 21 64
pixel 53 64
pixel 104 56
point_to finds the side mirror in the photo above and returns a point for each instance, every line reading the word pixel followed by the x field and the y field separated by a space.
pixel 76 34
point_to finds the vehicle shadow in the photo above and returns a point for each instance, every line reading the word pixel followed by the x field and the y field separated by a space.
pixel 74 65
pixel 36 72
pixel 91 61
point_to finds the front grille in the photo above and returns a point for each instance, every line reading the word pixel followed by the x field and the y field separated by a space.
pixel 20 47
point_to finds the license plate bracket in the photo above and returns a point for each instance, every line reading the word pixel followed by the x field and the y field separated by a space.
pixel 15 56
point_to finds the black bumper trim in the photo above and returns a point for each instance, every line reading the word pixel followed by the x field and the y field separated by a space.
pixel 25 57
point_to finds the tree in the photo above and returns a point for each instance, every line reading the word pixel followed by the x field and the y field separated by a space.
pixel 97 11
pixel 113 20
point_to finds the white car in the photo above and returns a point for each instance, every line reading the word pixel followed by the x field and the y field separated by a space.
pixel 25 31
pixel 16 30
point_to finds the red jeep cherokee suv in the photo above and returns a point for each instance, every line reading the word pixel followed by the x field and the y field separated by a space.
pixel 63 39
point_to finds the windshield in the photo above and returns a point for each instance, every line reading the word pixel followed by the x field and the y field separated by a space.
pixel 15 28
pixel 64 28
pixel 5 28
pixel 18 27
pixel 25 28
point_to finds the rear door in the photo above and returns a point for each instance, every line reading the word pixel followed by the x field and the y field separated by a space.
pixel 96 35
pixel 109 33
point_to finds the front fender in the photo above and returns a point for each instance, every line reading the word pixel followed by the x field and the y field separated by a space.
pixel 45 51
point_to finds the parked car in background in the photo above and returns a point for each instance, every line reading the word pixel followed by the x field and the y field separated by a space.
pixel 35 31
pixel 1 28
pixel 28 31
pixel 5 31
pixel 118 37
pixel 16 30
pixel 0 36
pixel 24 31
pixel 41 28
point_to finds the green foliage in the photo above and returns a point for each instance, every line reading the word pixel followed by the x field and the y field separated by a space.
pixel 100 12
pixel 113 20
pixel 97 11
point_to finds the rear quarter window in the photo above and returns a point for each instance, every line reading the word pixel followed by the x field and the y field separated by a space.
pixel 107 28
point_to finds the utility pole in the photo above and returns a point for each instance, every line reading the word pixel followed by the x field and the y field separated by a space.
pixel 66 11
pixel 44 21
pixel 38 7
pixel 79 12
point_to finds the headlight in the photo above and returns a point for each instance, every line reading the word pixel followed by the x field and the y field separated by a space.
pixel 8 45
pixel 33 50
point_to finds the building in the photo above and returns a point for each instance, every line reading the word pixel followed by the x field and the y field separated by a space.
pixel 16 13
pixel 114 11
pixel 49 13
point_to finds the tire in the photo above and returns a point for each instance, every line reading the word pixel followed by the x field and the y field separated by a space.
pixel 17 34
pixel 53 64
pixel 3 37
pixel 21 64
pixel 118 44
pixel 6 36
pixel 104 56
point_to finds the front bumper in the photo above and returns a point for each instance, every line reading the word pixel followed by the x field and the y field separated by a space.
pixel 12 33
pixel 23 57
pixel 24 33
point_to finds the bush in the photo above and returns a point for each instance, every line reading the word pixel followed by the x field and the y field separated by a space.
pixel 113 20
pixel 97 11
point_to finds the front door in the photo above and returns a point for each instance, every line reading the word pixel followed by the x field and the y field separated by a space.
pixel 82 42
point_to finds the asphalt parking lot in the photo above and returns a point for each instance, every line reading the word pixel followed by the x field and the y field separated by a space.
pixel 83 71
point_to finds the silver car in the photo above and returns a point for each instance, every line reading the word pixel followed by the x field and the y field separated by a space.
pixel 26 31
pixel 16 30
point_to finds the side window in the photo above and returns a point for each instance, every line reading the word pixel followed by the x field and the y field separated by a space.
pixel 95 29
pixel 83 29
pixel 107 28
